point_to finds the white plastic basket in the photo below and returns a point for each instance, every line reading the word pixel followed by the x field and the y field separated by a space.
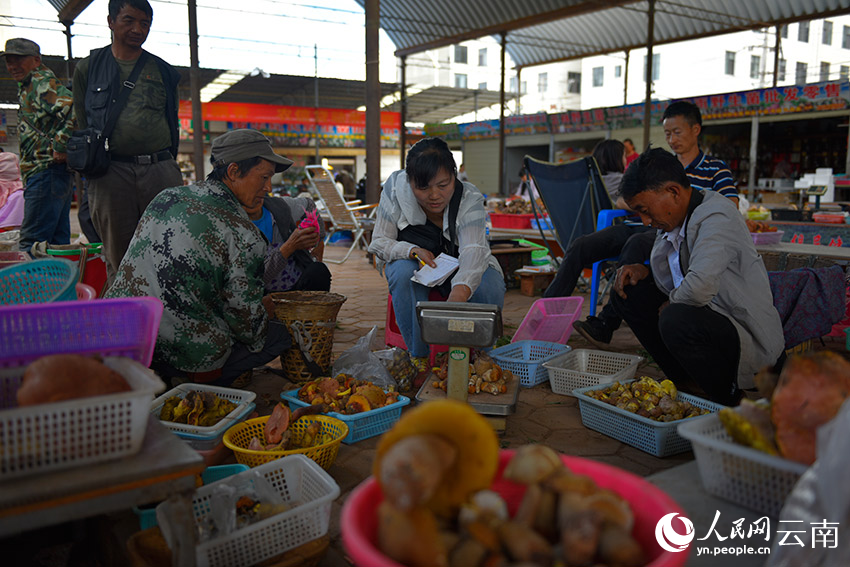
pixel 302 484
pixel 61 435
pixel 582 367
pixel 206 438
pixel 654 437
pixel 737 473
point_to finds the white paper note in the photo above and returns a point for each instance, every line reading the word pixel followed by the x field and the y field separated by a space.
pixel 428 276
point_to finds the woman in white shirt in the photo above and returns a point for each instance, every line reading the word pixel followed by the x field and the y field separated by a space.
pixel 424 211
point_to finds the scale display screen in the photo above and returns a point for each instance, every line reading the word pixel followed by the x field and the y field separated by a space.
pixel 818 190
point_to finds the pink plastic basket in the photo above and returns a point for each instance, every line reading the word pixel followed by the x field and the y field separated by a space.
pixel 108 327
pixel 550 319
pixel 359 519
pixel 774 237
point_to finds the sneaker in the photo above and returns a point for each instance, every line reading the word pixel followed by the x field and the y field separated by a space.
pixel 595 331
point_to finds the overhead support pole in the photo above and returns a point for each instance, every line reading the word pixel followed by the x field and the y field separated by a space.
pixel 373 104
pixel 754 144
pixel 518 91
pixel 68 65
pixel 501 189
pixel 650 41
pixel 626 80
pixel 402 142
pixel 776 50
pixel 195 87
pixel 316 100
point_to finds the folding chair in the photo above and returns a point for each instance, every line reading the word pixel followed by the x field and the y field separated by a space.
pixel 573 193
pixel 341 213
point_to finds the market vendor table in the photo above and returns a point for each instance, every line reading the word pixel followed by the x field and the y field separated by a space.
pixel 165 468
pixel 683 484
pixel 789 255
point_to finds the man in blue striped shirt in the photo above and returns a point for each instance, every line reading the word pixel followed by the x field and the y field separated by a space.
pixel 682 122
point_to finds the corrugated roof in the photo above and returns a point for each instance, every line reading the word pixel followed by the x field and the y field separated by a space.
pixel 542 31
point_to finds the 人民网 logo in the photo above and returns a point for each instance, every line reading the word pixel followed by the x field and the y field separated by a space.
pixel 670 539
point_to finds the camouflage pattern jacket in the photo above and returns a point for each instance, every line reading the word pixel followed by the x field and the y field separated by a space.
pixel 45 120
pixel 196 250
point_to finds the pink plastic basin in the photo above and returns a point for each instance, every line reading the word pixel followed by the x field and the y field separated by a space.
pixel 649 504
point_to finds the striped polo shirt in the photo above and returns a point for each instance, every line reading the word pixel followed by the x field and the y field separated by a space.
pixel 712 174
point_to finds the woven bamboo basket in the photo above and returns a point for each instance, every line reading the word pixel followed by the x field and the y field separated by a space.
pixel 312 315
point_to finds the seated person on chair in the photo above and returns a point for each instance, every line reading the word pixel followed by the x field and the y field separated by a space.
pixel 198 252
pixel 293 256
pixel 703 307
pixel 426 210
pixel 682 123
pixel 610 155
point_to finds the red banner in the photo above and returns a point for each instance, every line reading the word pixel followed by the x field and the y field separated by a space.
pixel 247 112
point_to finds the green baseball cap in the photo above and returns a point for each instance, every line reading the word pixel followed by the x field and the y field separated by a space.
pixel 20 46
pixel 245 143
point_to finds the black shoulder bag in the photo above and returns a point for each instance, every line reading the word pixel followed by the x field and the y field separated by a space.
pixel 88 150
pixel 430 237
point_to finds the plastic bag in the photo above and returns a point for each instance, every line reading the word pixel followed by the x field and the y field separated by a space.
pixel 359 361
pixel 820 498
pixel 398 363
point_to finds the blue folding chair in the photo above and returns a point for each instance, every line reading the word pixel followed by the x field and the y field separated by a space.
pixel 604 220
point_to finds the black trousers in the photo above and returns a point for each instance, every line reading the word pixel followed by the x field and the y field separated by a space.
pixel 688 342
pixel 315 277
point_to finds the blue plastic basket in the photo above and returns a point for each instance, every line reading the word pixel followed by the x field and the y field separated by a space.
pixel 525 359
pixel 39 281
pixel 147 516
pixel 360 425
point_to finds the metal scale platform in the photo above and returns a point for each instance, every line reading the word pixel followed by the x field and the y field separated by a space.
pixel 462 326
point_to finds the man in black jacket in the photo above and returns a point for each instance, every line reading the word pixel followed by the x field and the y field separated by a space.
pixel 143 145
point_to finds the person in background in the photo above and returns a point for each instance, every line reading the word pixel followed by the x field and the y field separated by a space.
pixel 631 153
pixel 293 256
pixel 45 122
pixel 11 191
pixel 196 250
pixel 461 173
pixel 703 308
pixel 143 145
pixel 527 189
pixel 424 211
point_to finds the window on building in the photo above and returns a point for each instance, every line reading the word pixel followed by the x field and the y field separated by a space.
pixel 783 31
pixel 482 57
pixel 730 62
pixel 523 86
pixel 542 82
pixel 512 84
pixel 656 66
pixel 845 39
pixel 574 82
pixel 460 81
pixel 826 37
pixel 482 86
pixel 618 71
pixel 802 71
pixel 781 71
pixel 460 54
pixel 845 72
pixel 598 76
pixel 824 71
pixel 803 32
pixel 755 66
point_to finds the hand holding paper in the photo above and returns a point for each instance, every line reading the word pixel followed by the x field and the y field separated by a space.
pixel 428 276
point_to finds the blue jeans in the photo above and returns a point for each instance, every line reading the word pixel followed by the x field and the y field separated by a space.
pixel 407 293
pixel 47 206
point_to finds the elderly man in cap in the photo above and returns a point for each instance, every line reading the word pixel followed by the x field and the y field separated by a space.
pixel 45 122
pixel 197 251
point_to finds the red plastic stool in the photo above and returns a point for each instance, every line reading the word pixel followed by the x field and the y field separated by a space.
pixel 392 334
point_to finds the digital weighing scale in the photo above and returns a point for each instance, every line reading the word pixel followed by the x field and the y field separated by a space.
pixel 461 326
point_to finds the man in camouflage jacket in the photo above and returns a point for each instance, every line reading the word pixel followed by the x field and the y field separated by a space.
pixel 197 251
pixel 45 122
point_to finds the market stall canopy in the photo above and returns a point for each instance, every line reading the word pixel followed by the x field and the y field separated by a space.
pixel 284 90
pixel 543 31
pixel 438 104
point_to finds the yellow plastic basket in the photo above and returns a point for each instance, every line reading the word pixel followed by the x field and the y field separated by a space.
pixel 238 437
